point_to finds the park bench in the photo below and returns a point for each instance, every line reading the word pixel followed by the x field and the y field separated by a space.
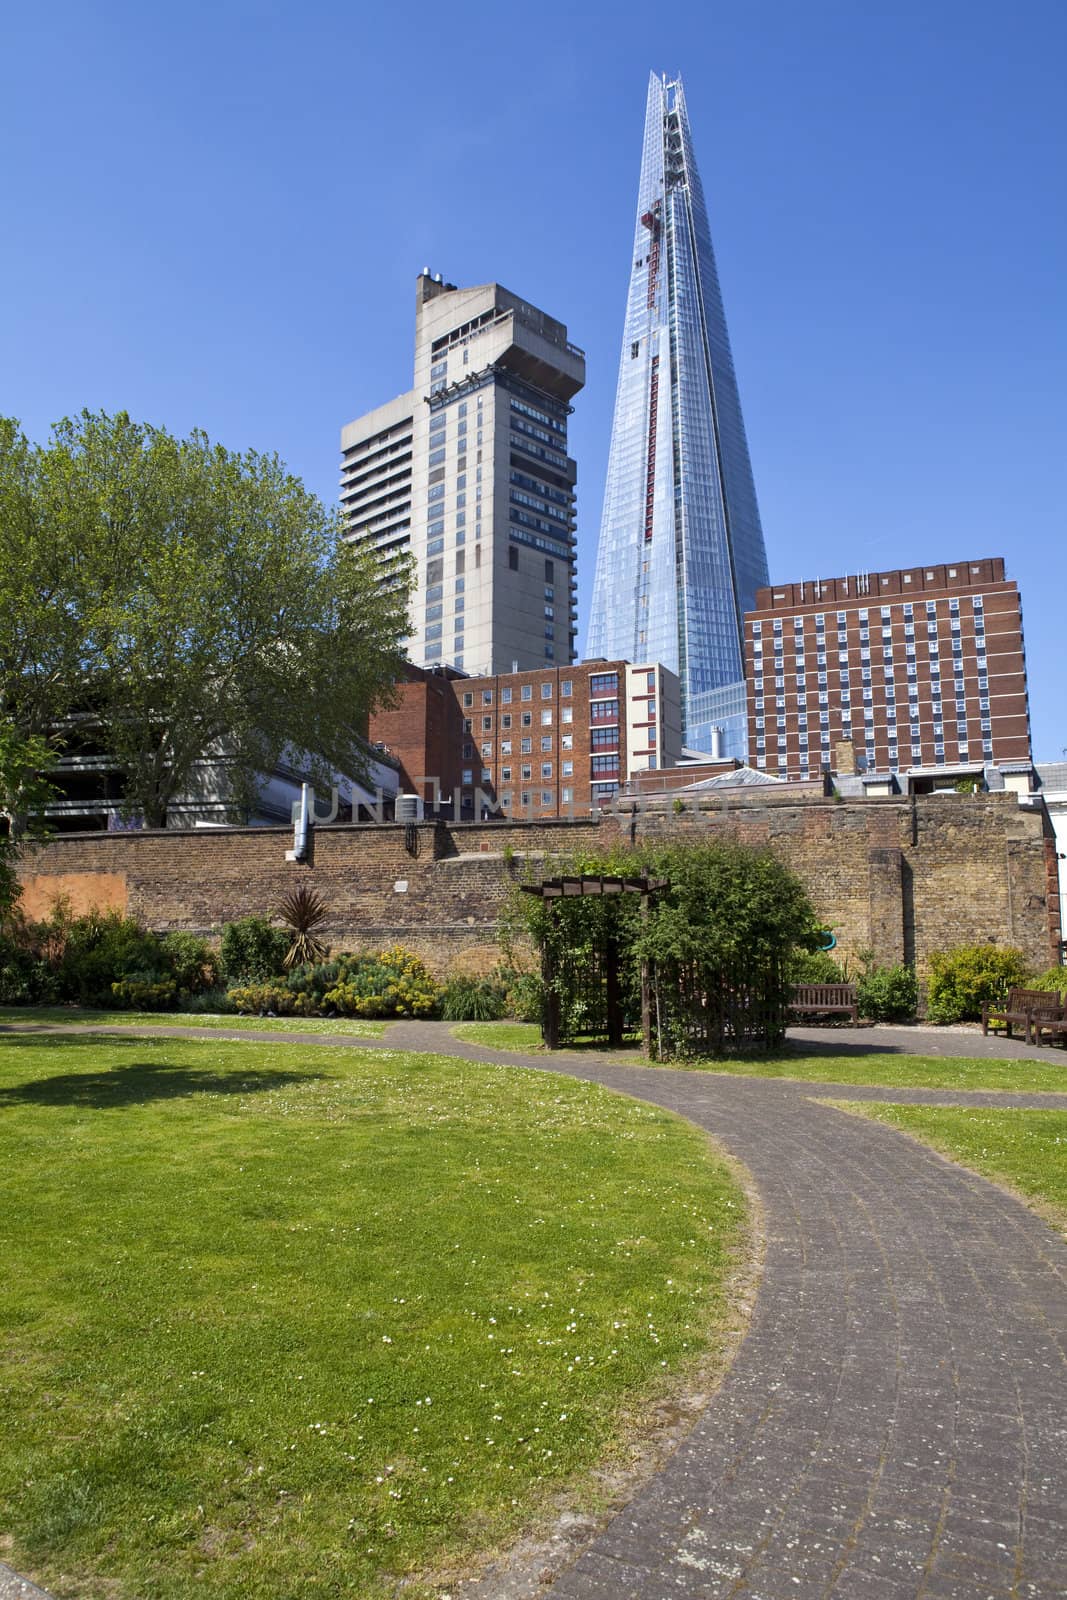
pixel 825 999
pixel 1035 1009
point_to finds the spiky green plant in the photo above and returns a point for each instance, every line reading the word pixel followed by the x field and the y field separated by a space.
pixel 303 911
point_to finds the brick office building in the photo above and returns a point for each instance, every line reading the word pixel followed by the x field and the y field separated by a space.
pixel 554 741
pixel 921 667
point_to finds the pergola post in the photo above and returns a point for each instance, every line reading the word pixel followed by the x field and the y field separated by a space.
pixel 646 988
pixel 549 992
pixel 611 991
pixel 551 890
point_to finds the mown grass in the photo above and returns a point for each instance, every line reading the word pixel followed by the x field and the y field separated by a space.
pixel 282 1324
pixel 850 1064
pixel 77 1016
pixel 1024 1149
pixel 521 1036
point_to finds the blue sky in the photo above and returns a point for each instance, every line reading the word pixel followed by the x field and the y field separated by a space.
pixel 214 215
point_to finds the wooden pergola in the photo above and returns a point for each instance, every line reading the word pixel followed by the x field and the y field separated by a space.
pixel 598 885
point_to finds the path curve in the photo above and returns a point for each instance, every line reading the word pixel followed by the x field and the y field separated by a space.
pixel 893 1425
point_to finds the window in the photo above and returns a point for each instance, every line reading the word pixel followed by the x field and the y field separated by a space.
pixel 565 690
pixel 546 797
pixel 602 766
pixel 567 796
pixel 604 711
pixel 505 699
pixel 546 719
pixel 546 769
pixel 604 738
pixel 468 775
pixel 546 742
pixel 468 699
pixel 513 558
pixel 604 683
pixel 487 752
pixel 527 774
pixel 505 747
pixel 567 714
pixel 546 691
pixel 566 741
pixel 527 719
pixel 525 746
pixel 487 723
pixel 505 774
pixel 526 692
pixel 567 769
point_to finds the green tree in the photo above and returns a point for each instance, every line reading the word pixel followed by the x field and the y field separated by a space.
pixel 23 789
pixel 201 605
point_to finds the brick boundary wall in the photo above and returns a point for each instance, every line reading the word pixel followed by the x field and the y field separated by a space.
pixel 903 877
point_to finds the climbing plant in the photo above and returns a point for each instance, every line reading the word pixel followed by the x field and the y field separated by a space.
pixel 712 945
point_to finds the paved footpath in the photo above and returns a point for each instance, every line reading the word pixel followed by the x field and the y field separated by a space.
pixel 894 1425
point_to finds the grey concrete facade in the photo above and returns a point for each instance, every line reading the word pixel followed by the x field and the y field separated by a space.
pixel 468 473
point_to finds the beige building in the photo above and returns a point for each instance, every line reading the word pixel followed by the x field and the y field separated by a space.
pixel 469 473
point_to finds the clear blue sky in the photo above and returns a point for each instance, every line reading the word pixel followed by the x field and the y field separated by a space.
pixel 213 216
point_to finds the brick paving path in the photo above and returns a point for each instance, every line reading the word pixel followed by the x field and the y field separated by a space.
pixel 894 1426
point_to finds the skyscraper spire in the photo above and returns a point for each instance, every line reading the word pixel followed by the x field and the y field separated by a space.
pixel 681 550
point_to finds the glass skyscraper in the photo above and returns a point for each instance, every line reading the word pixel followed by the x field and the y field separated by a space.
pixel 681 550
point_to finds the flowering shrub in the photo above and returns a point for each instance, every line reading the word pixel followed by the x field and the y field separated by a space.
pixel 389 983
pixel 265 999
pixel 144 992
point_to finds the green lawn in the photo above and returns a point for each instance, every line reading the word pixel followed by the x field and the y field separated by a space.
pixel 884 1069
pixel 1027 1150
pixel 521 1036
pixel 356 1027
pixel 288 1324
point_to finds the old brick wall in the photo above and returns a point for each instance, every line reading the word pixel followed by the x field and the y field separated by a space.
pixel 902 877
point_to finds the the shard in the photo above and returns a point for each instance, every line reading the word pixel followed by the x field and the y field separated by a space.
pixel 681 550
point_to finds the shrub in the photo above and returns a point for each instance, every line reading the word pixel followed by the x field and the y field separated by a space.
pixel 144 991
pixel 100 949
pixel 813 966
pixel 524 997
pixel 270 999
pixel 23 976
pixel 209 1002
pixel 965 979
pixel 888 994
pixel 472 1000
pixel 253 951
pixel 1054 981
pixel 191 962
pixel 313 981
pixel 388 983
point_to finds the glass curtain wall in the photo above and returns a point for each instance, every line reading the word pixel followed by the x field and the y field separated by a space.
pixel 681 550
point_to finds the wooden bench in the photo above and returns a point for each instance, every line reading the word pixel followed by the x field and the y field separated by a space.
pixel 1033 1008
pixel 1051 1025
pixel 825 999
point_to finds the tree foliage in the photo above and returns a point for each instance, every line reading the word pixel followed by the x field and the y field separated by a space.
pixel 187 602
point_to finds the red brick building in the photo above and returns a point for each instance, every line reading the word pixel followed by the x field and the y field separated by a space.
pixel 554 741
pixel 918 667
